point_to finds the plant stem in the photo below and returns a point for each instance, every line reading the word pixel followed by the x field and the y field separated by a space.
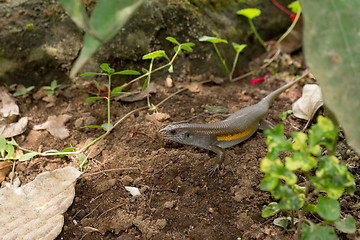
pixel 289 29
pixel 222 61
pixel 148 83
pixel 108 103
pixel 234 65
pixel 257 34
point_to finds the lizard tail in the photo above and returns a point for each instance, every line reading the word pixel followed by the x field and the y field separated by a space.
pixel 272 96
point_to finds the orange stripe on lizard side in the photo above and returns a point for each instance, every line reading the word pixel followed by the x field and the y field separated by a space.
pixel 234 136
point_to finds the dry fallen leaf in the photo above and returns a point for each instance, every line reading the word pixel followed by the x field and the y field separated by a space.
pixel 5 168
pixel 137 96
pixel 311 100
pixel 12 129
pixel 35 210
pixel 56 126
pixel 157 117
pixel 8 108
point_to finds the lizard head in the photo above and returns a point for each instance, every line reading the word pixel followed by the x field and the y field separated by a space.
pixel 177 134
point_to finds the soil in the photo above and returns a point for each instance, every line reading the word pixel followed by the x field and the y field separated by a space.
pixel 178 199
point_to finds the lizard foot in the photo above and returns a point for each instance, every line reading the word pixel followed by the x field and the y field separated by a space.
pixel 214 169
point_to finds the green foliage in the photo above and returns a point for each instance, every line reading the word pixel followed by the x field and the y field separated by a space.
pixel 331 176
pixel 237 47
pixel 30 27
pixel 331 37
pixel 250 13
pixel 107 18
pixel 7 150
pixel 24 92
pixel 284 114
pixel 52 88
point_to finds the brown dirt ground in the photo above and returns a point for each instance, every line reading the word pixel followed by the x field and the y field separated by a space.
pixel 179 200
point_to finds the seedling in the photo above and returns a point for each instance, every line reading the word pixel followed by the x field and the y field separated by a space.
pixel 52 88
pixel 251 13
pixel 284 114
pixel 24 92
pixel 325 180
pixel 30 27
pixel 237 47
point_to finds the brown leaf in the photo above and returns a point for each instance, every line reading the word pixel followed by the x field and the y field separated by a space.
pixel 12 129
pixel 8 108
pixel 311 100
pixel 56 126
pixel 5 168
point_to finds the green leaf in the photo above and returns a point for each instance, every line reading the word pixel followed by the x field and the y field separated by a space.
pixel 270 210
pixel 311 208
pixel 187 46
pixel 77 12
pixel 276 141
pixel 107 18
pixel 92 74
pixel 332 177
pixel 238 47
pixel 331 34
pixel 127 72
pixel 52 151
pixel 92 99
pixel 53 84
pixel 212 39
pixel 300 141
pixel 346 225
pixel 269 183
pixel 146 83
pixel 295 7
pixel 300 161
pixel 171 69
pixel 66 150
pixel 94 126
pixel 173 40
pixel 107 69
pixel 10 150
pixel 284 221
pixel 324 132
pixel 2 146
pixel 250 13
pixel 27 156
pixel 328 209
pixel 117 91
pixel 155 54
pixel 317 232
pixel 105 126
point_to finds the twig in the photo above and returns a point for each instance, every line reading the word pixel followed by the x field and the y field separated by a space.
pixel 108 170
pixel 144 133
pixel 262 67
pixel 90 212
pixel 111 209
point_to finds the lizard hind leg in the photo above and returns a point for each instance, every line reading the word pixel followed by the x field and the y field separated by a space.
pixel 265 124
pixel 219 159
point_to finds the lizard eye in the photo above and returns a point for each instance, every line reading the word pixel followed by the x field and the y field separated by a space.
pixel 187 135
pixel 173 131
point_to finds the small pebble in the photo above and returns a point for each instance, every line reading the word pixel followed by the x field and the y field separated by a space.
pixel 169 204
pixel 161 223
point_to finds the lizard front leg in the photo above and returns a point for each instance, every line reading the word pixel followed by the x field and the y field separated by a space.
pixel 219 158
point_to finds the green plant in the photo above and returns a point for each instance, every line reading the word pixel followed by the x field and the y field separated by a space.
pixel 251 13
pixel 52 88
pixel 284 114
pixel 325 180
pixel 237 47
pixel 331 40
pixel 107 18
pixel 24 92
pixel 30 27
pixel 109 72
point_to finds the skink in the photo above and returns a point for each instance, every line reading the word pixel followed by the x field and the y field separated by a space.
pixel 235 129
